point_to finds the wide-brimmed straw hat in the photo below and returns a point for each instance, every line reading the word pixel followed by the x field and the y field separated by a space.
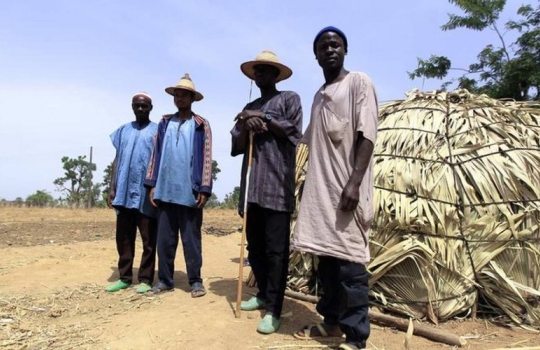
pixel 268 58
pixel 185 84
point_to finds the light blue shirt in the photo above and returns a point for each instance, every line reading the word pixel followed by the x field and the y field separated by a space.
pixel 174 179
pixel 134 145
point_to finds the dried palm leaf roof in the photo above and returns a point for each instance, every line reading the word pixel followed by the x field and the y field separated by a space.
pixel 457 208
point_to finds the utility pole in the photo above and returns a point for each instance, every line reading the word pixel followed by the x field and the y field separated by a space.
pixel 89 191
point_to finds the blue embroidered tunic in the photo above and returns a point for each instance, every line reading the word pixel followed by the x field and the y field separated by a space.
pixel 133 144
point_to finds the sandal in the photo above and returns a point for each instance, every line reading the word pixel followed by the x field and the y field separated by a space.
pixel 269 324
pixel 252 304
pixel 318 331
pixel 118 285
pixel 144 288
pixel 160 287
pixel 197 290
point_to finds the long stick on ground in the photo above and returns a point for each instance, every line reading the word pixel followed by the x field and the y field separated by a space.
pixel 243 240
pixel 399 323
pixel 419 329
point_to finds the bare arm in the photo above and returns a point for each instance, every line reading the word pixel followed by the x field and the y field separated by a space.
pixel 351 193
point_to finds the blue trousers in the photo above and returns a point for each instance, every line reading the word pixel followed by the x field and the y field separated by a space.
pixel 173 218
pixel 345 300
pixel 267 233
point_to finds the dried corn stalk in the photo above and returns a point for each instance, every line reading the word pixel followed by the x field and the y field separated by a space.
pixel 301 265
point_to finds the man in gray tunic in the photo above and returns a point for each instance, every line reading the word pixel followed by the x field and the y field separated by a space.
pixel 336 210
pixel 276 121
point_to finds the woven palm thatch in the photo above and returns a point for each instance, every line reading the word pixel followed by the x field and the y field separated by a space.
pixel 457 180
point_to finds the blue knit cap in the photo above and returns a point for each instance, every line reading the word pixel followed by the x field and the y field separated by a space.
pixel 329 29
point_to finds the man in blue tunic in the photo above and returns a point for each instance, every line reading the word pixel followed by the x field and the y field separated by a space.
pixel 180 181
pixel 133 143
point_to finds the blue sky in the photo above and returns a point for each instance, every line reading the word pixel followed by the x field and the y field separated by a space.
pixel 68 68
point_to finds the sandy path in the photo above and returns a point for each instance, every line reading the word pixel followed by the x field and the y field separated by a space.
pixel 75 274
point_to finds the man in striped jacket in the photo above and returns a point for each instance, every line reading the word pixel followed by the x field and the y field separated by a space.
pixel 180 181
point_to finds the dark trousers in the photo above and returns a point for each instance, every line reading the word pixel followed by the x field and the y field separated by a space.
pixel 127 222
pixel 345 300
pixel 267 233
pixel 173 218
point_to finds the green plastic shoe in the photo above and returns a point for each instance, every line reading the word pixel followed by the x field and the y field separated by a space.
pixel 252 304
pixel 269 324
pixel 117 286
pixel 143 288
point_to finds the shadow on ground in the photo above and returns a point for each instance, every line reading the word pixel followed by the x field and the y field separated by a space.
pixel 295 314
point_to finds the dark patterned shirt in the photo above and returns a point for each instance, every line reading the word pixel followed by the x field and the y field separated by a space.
pixel 273 165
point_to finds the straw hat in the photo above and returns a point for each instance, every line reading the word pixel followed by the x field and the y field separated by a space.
pixel 268 58
pixel 185 84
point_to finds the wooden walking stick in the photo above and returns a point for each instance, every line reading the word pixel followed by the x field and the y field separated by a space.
pixel 243 240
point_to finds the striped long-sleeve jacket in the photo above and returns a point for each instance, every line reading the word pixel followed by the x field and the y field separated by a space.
pixel 201 179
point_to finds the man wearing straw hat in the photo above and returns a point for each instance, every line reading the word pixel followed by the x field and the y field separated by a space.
pixel 336 210
pixel 133 143
pixel 180 181
pixel 275 118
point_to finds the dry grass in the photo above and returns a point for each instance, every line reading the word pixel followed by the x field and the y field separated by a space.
pixel 11 215
pixel 54 320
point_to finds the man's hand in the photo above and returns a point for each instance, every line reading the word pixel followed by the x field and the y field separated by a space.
pixel 349 197
pixel 252 121
pixel 110 198
pixel 351 193
pixel 248 114
pixel 201 200
pixel 151 196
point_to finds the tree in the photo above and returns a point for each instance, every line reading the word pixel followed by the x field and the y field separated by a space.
pixel 527 63
pixel 76 183
pixel 107 178
pixel 215 170
pixel 213 201
pixel 39 199
pixel 19 201
pixel 232 199
pixel 502 71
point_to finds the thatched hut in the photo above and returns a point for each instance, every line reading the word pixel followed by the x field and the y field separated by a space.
pixel 457 199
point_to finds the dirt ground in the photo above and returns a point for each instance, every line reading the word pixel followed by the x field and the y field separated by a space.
pixel 54 264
